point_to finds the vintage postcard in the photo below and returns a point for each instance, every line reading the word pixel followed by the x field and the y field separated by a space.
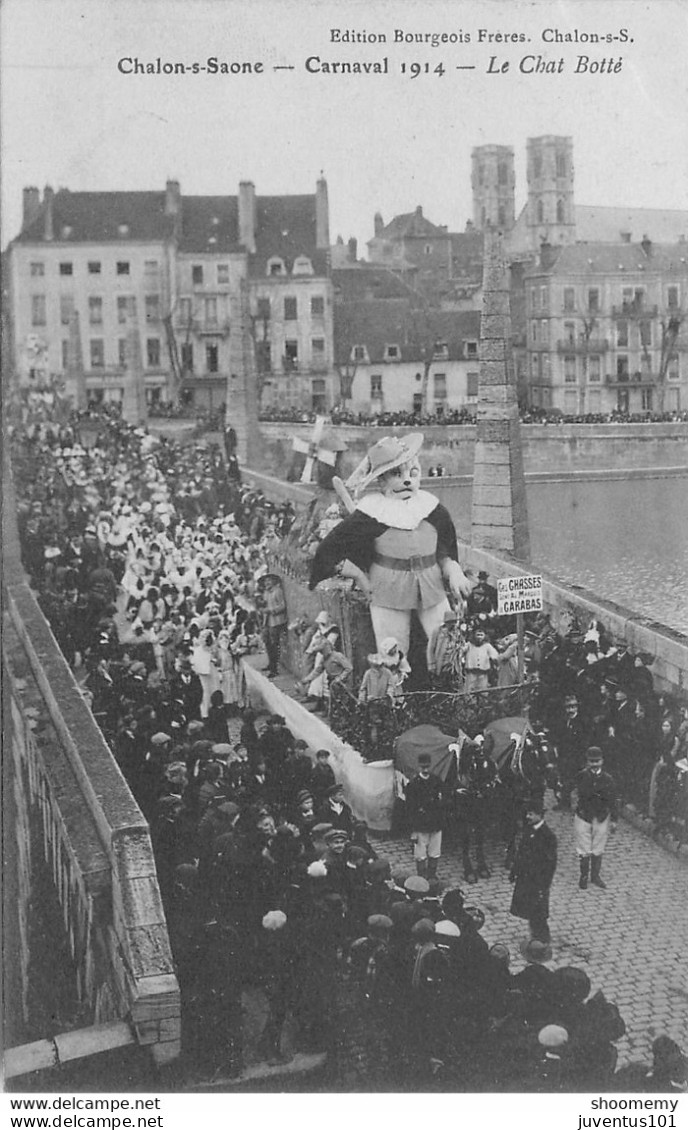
pixel 345 404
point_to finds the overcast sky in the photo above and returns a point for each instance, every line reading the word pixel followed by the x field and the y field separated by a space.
pixel 385 142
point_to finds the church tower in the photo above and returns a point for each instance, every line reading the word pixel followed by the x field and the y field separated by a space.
pixel 550 210
pixel 493 182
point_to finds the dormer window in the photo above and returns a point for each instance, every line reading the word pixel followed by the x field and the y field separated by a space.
pixel 391 353
pixel 359 353
pixel 302 266
pixel 276 267
pixel 441 350
pixel 471 349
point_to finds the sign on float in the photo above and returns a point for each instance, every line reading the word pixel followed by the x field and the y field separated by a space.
pixel 519 594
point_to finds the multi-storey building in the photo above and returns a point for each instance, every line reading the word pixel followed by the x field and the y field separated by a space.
pixel 291 300
pixel 174 263
pixel 395 354
pixel 607 327
pixel 445 267
pixel 96 255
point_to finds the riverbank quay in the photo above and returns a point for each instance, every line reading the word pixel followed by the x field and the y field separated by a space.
pixel 547 448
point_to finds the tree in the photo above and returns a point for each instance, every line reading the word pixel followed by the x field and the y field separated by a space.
pixel 671 327
pixel 589 325
pixel 345 357
pixel 260 333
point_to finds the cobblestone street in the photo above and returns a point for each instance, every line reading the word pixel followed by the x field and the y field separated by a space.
pixel 630 939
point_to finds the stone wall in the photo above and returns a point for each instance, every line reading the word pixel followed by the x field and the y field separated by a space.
pixel 94 836
pixel 546 448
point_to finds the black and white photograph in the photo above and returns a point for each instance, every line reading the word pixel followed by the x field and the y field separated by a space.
pixel 344 561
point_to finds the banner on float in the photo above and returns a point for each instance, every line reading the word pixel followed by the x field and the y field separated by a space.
pixel 519 594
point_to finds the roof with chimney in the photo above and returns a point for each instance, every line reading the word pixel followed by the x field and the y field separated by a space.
pixel 209 224
pixel 98 217
pixel 285 225
pixel 615 258
pixel 379 323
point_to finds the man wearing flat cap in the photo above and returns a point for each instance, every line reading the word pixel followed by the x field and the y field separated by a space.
pixel 336 811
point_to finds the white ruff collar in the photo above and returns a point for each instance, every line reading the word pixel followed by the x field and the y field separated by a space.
pixel 400 513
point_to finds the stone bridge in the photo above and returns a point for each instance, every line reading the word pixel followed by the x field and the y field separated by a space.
pixel 68 806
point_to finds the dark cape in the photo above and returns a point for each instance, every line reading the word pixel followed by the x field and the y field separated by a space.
pixel 354 539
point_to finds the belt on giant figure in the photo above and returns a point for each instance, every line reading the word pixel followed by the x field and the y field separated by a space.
pixel 406 564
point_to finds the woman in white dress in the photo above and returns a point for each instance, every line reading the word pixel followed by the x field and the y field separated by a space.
pixel 203 664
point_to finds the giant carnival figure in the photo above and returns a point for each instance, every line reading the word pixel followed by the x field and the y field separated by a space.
pixel 475 782
pixel 398 544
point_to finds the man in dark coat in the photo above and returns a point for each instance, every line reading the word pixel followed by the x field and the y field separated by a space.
pixel 596 816
pixel 533 872
pixel 425 814
pixel 187 687
pixel 483 598
pixel 571 740
pixel 335 811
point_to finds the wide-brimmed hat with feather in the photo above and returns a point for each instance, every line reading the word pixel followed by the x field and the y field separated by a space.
pixel 383 456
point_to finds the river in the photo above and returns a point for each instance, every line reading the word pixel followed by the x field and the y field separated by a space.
pixel 626 540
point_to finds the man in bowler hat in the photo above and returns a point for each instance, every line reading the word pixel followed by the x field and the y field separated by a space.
pixel 533 872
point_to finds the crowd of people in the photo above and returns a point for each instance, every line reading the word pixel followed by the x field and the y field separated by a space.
pixel 409 418
pixel 582 691
pixel 152 566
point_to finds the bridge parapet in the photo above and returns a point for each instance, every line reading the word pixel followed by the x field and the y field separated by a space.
pixel 95 838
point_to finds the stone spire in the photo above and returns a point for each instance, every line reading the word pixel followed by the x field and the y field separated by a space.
pixel 242 388
pixel 76 374
pixel 499 518
pixel 134 409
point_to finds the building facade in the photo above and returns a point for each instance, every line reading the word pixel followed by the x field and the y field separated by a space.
pixel 607 329
pixel 174 264
pixel 394 356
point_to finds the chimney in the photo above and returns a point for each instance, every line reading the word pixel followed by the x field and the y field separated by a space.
pixel 353 250
pixel 31 206
pixel 378 224
pixel 173 198
pixel 548 255
pixel 419 210
pixel 625 237
pixel 48 228
pixel 646 245
pixel 322 216
pixel 247 215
